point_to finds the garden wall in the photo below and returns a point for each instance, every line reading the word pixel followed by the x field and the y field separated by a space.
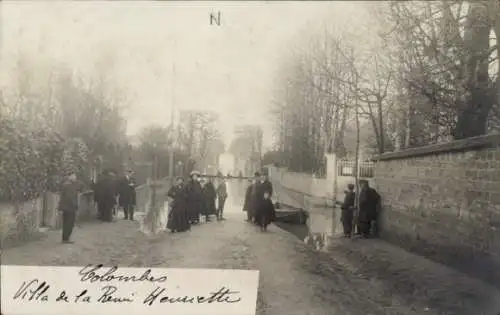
pixel 35 216
pixel 301 185
pixel 443 201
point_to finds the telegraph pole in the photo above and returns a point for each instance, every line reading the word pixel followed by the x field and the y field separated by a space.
pixel 172 135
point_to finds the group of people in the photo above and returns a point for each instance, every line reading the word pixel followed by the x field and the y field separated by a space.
pixel 192 200
pixel 107 189
pixel 258 204
pixel 364 221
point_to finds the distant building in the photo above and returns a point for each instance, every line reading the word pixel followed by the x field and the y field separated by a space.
pixel 227 163
pixel 247 148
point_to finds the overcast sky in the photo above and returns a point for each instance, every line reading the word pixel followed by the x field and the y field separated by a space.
pixel 229 69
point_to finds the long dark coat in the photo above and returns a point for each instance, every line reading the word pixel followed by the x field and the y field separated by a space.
pixel 209 195
pixel 68 201
pixel 267 186
pixel 105 196
pixel 178 217
pixel 126 192
pixel 369 200
pixel 248 197
pixel 347 206
pixel 256 198
pixel 194 195
pixel 265 213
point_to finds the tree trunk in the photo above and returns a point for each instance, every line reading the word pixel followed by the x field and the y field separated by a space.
pixel 472 119
pixel 381 125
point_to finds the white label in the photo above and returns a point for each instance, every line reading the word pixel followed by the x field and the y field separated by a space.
pixel 30 290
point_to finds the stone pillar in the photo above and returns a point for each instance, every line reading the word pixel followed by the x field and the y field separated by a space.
pixel 332 177
pixel 50 215
pixel 331 163
pixel 331 172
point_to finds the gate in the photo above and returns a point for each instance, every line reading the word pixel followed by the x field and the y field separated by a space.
pixel 348 168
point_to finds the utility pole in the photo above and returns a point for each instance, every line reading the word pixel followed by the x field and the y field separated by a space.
pixel 172 135
pixel 153 205
pixel 355 76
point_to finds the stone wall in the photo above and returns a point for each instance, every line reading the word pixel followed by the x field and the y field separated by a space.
pixel 443 201
pixel 303 185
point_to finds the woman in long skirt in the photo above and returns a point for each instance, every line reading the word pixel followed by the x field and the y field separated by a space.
pixel 178 220
pixel 265 213
pixel 209 200
pixel 247 203
pixel 194 197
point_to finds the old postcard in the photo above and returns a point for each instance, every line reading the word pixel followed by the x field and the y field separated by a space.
pixel 250 157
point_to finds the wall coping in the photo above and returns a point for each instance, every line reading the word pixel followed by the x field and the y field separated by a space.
pixel 474 143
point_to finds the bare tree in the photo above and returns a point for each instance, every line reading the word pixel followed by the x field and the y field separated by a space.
pixel 202 138
pixel 445 58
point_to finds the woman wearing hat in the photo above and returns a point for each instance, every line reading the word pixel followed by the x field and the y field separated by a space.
pixel 194 195
pixel 256 198
pixel 178 220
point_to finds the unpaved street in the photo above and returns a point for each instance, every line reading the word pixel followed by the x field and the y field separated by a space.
pixel 353 277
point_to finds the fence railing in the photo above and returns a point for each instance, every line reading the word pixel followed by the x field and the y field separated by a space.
pixel 348 168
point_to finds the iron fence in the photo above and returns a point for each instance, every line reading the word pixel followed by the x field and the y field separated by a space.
pixel 348 168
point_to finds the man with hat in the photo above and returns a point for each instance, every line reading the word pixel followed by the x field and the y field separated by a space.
pixel 369 201
pixel 68 205
pixel 221 197
pixel 127 195
pixel 105 195
pixel 347 208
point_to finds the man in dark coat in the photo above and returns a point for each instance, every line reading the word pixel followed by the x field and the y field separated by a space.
pixel 127 195
pixel 105 196
pixel 347 208
pixel 221 197
pixel 194 195
pixel 369 201
pixel 68 205
pixel 209 194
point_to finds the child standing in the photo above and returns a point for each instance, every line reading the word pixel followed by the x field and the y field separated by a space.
pixel 267 212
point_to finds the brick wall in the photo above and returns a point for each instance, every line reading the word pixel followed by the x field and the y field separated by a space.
pixel 443 201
